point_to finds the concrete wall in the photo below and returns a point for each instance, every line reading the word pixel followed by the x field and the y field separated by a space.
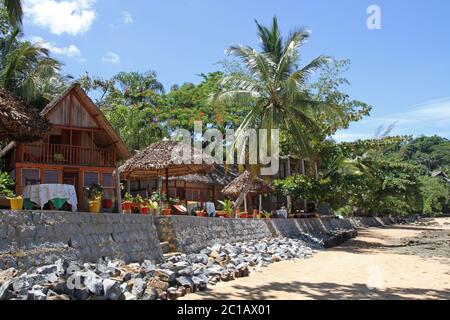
pixel 37 238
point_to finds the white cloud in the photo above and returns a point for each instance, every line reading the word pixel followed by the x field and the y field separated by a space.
pixel 351 136
pixel 71 51
pixel 127 17
pixel 61 16
pixel 432 117
pixel 111 57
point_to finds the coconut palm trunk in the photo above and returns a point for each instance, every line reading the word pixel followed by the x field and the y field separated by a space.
pixel 240 199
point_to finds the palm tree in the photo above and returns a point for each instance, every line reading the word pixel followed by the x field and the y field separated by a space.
pixel 276 88
pixel 15 12
pixel 27 70
pixel 136 89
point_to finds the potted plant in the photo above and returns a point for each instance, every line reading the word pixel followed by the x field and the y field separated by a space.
pixel 166 212
pixel 243 215
pixel 6 188
pixel 127 202
pixel 94 194
pixel 227 208
pixel 200 212
pixel 137 203
pixel 153 206
pixel 144 204
pixel 16 203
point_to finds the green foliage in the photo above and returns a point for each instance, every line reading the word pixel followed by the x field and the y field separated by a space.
pixel 94 192
pixel 26 69
pixel 7 185
pixel 227 206
pixel 188 103
pixel 431 152
pixel 128 197
pixel 435 194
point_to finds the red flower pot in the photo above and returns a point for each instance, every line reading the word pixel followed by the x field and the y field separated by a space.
pixel 126 206
pixel 107 204
pixel 144 210
pixel 244 215
pixel 167 212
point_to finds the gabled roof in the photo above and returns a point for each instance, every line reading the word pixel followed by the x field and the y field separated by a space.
pixel 95 112
pixel 439 174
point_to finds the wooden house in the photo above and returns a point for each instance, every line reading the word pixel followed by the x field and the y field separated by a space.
pixel 80 149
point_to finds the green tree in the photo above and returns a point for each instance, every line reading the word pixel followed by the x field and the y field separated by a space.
pixel 129 101
pixel 435 195
pixel 14 11
pixel 26 69
pixel 430 152
pixel 190 102
pixel 274 88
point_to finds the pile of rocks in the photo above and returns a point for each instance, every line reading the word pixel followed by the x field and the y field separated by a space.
pixel 179 275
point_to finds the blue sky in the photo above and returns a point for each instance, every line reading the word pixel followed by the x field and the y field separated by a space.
pixel 402 70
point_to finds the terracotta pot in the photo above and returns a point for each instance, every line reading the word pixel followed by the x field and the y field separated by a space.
pixel 107 204
pixel 221 214
pixel 166 212
pixel 200 213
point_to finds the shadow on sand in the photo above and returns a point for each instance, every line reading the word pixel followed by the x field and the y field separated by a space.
pixel 325 291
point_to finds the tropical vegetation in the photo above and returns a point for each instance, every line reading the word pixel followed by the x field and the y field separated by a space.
pixel 262 88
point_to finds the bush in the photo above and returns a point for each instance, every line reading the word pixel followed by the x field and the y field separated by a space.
pixel 435 195
pixel 7 185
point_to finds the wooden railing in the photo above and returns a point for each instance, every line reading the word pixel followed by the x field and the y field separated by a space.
pixel 59 154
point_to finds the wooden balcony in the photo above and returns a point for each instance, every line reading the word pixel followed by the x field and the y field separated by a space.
pixel 67 155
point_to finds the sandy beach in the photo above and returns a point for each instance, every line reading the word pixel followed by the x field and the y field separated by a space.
pixel 396 262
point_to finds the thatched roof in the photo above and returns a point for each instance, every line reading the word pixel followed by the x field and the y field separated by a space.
pixel 220 175
pixel 258 186
pixel 153 162
pixel 19 121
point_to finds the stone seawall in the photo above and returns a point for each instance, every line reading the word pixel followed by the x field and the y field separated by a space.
pixel 29 239
pixel 38 238
pixel 191 234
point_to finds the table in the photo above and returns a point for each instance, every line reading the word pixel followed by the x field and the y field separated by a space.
pixel 57 194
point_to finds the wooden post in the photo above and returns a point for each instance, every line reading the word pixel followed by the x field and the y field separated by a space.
pixel 260 203
pixel 245 204
pixel 160 193
pixel 119 195
pixel 167 184
pixel 288 174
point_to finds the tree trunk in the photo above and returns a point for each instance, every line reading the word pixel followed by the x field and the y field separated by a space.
pixel 242 196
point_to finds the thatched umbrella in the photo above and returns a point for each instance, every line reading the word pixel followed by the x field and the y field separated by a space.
pixel 163 158
pixel 19 121
pixel 238 185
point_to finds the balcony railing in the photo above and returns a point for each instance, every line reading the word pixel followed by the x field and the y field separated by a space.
pixel 60 154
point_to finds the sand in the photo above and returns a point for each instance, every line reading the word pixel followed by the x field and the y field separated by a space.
pixel 397 262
